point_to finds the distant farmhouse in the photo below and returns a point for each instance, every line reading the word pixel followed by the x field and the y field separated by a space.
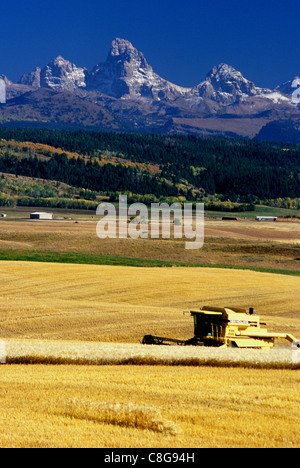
pixel 41 215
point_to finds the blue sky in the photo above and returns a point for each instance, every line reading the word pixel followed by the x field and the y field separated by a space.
pixel 182 40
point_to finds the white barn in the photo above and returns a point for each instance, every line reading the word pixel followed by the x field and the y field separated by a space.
pixel 266 218
pixel 41 215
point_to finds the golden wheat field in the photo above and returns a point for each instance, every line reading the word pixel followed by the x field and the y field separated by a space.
pixel 122 304
pixel 143 407
pixel 77 375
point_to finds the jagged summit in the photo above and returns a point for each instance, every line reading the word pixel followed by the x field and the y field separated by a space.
pixel 121 46
pixel 127 74
pixel 224 72
pixel 124 53
pixel 62 74
pixel 115 76
pixel 226 86
pixel 59 74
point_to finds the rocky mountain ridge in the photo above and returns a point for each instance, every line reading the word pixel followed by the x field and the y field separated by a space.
pixel 136 98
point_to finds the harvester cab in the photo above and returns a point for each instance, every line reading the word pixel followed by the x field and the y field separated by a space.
pixel 227 327
pixel 233 327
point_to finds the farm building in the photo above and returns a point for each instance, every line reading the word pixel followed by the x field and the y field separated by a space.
pixel 266 218
pixel 41 215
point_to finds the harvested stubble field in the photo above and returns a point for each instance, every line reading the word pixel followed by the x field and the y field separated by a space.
pixel 121 304
pixel 78 377
pixel 246 243
pixel 142 406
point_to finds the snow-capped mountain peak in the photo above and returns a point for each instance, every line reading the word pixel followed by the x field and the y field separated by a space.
pixel 62 74
pixel 127 74
pixel 59 74
pixel 226 85
pixel 224 73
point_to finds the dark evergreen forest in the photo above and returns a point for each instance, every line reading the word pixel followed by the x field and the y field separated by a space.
pixel 230 167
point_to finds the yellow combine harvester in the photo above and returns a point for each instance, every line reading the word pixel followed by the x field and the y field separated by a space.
pixel 228 326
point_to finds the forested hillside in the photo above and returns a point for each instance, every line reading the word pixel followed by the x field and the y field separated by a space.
pixel 189 167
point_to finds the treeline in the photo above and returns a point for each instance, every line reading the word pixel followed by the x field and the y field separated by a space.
pixel 230 207
pixel 57 202
pixel 234 168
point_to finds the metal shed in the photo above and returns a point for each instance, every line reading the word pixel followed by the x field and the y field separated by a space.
pixel 266 218
pixel 41 215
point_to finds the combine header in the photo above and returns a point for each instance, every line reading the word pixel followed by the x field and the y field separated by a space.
pixel 227 327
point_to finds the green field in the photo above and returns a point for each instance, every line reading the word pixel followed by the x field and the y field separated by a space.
pixel 88 259
pixel 259 211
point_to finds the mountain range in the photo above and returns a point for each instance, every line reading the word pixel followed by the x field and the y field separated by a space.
pixel 125 94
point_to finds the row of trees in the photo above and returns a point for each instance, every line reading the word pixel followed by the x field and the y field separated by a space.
pixel 65 203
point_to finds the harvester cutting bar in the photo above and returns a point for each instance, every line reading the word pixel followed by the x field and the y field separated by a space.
pixel 159 340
